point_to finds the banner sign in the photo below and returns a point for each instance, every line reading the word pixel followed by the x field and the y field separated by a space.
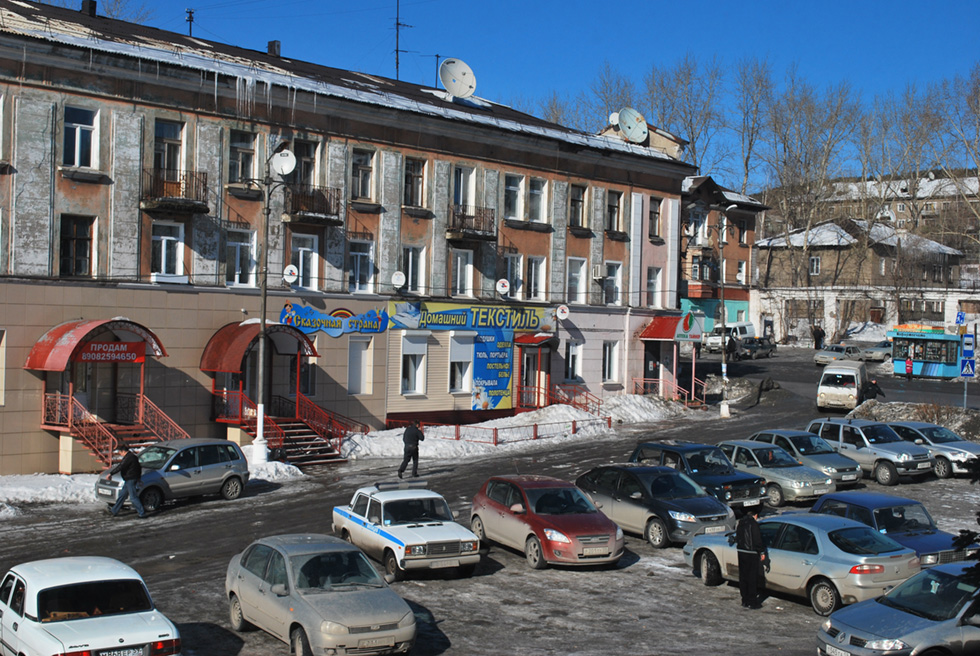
pixel 112 352
pixel 335 324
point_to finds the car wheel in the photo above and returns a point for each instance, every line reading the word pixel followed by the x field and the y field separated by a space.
pixel 476 525
pixel 232 488
pixel 391 567
pixel 824 597
pixel 534 554
pixel 345 536
pixel 152 499
pixel 299 645
pixel 943 468
pixel 709 568
pixel 885 473
pixel 656 533
pixel 238 621
pixel 774 495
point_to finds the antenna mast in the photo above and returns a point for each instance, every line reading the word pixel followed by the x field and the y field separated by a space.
pixel 398 25
pixel 190 22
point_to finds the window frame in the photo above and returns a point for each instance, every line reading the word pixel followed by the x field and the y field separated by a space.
pixel 610 361
pixel 513 197
pixel 613 283
pixel 461 351
pixel 614 211
pixel 307 279
pixel 167 148
pixel 464 187
pixel 654 230
pixel 168 244
pixel 81 248
pixel 578 208
pixel 73 127
pixel 654 282
pixel 413 194
pixel 357 261
pixel 461 275
pixel 573 361
pixel 582 295
pixel 250 250
pixel 362 174
pixel 814 265
pixel 536 278
pixel 514 273
pixel 413 266
pixel 414 348
pixel 364 369
pixel 537 200
pixel 241 156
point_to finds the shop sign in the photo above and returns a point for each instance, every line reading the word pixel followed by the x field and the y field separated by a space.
pixel 335 324
pixel 111 352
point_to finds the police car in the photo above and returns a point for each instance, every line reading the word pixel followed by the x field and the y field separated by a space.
pixel 406 526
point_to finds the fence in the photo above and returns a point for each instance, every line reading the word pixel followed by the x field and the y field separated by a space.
pixel 497 435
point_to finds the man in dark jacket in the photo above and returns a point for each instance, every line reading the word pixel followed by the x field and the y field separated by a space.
pixel 751 557
pixel 411 438
pixel 871 389
pixel 131 471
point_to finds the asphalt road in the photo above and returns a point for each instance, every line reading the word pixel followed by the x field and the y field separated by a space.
pixel 650 604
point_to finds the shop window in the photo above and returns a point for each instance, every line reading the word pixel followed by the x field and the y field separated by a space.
pixel 461 361
pixel 414 345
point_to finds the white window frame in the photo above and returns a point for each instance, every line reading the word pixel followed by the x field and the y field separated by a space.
pixel 247 244
pixel 359 365
pixel 414 349
pixel 361 262
pixel 576 268
pixel 306 162
pixel 464 187
pixel 573 361
pixel 653 217
pixel 814 265
pixel 167 244
pixel 537 200
pixel 304 255
pixel 654 281
pixel 461 282
pixel 536 287
pixel 513 197
pixel 362 174
pixel 580 218
pixel 241 156
pixel 514 273
pixel 413 266
pixel 81 132
pixel 461 355
pixel 610 361
pixel 612 285
pixel 740 272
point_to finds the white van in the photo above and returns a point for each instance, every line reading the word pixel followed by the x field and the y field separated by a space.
pixel 739 330
pixel 841 384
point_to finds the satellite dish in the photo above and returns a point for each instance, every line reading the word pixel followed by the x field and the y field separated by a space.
pixel 457 77
pixel 290 274
pixel 283 162
pixel 562 312
pixel 503 286
pixel 397 279
pixel 633 125
pixel 614 118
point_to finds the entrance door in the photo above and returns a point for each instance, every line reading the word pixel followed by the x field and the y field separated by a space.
pixel 103 399
pixel 651 367
pixel 534 377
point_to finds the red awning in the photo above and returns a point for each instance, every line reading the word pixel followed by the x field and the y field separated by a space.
pixel 672 327
pixel 227 348
pixel 535 339
pixel 54 350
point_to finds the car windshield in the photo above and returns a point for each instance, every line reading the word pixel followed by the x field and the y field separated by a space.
pixel 775 457
pixel 810 445
pixel 933 594
pixel 904 518
pixel 155 457
pixel 880 434
pixel 91 599
pixel 708 460
pixel 559 501
pixel 940 435
pixel 863 540
pixel 838 380
pixel 834 349
pixel 325 572
pixel 673 486
pixel 411 511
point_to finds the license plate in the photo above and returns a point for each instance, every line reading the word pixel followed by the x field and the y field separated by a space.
pixel 105 493
pixel 849 477
pixel 444 563
pixel 130 651
pixel 924 465
pixel 714 529
pixel 834 651
pixel 821 490
pixel 751 502
pixel 388 641
pixel 595 551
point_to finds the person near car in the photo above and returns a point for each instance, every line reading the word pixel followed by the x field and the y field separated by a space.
pixel 818 336
pixel 412 436
pixel 871 389
pixel 131 471
pixel 908 368
pixel 732 346
pixel 751 557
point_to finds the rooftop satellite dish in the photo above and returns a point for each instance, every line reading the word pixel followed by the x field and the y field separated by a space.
pixel 283 162
pixel 633 125
pixel 457 77
pixel 614 118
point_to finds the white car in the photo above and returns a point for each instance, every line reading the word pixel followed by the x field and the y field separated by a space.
pixel 81 605
pixel 406 526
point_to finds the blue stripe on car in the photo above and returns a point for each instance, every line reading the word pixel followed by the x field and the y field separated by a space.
pixel 374 528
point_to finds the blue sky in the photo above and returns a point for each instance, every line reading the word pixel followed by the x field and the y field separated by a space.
pixel 525 49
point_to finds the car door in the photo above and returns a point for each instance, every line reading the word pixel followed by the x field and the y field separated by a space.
pixel 11 615
pixel 793 556
pixel 373 542
pixel 277 608
pixel 602 486
pixel 853 446
pixel 499 521
pixel 182 473
pixel 631 503
pixel 787 446
pixel 745 461
pixel 252 587
pixel 356 523
pixel 514 524
pixel 214 466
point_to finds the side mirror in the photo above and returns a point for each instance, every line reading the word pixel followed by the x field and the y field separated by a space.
pixel 280 590
pixel 919 440
pixel 174 467
pixel 636 496
pixel 972 620
pixel 518 509
pixel 455 514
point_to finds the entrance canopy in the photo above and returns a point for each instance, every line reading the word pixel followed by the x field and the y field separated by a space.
pixel 227 348
pixel 536 339
pixel 687 327
pixel 62 344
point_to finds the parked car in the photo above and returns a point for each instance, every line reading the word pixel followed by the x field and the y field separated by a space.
pixel 708 466
pixel 753 348
pixel 320 595
pixel 786 479
pixel 841 385
pixel 550 520
pixel 951 452
pixel 829 560
pixel 836 352
pixel 877 352
pixel 81 605
pixel 903 520
pixel 406 527
pixel 876 447
pixel 813 451
pixel 183 468
pixel 659 503
pixel 934 612
pixel 739 330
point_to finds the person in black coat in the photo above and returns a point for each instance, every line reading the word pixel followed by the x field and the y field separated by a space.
pixel 131 471
pixel 411 438
pixel 752 556
pixel 871 389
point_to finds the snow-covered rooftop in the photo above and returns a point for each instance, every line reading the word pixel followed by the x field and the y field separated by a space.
pixel 831 235
pixel 924 188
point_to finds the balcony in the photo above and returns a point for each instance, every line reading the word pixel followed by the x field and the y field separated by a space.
pixel 175 191
pixel 467 222
pixel 311 205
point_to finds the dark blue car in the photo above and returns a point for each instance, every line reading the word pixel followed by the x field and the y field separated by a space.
pixel 905 521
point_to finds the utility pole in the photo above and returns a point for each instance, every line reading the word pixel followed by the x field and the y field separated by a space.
pixel 190 22
pixel 398 25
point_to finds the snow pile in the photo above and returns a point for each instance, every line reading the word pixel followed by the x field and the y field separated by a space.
pixel 270 471
pixel 963 421
pixel 632 409
pixel 56 488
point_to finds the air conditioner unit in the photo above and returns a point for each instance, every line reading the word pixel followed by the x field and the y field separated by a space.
pixel 597 272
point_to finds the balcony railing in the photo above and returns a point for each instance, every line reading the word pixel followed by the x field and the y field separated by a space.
pixel 311 204
pixel 466 221
pixel 171 183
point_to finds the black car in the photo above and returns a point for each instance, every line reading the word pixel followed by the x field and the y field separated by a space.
pixel 659 503
pixel 753 348
pixel 708 466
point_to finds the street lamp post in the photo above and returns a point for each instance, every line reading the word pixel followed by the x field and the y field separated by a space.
pixel 722 233
pixel 282 162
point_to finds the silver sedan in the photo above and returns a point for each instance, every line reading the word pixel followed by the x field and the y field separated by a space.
pixel 786 478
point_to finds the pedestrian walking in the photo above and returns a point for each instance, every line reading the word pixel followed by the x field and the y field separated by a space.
pixel 732 348
pixel 411 437
pixel 752 556
pixel 818 337
pixel 908 368
pixel 131 471
pixel 871 389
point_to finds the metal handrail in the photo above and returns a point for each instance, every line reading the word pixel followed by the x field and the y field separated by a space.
pixel 83 425
pixel 310 199
pixel 244 412
pixel 472 219
pixel 158 422
pixel 579 397
pixel 174 183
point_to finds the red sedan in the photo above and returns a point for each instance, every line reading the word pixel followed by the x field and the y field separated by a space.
pixel 551 520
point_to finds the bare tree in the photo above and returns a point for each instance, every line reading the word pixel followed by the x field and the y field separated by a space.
pixel 752 90
pixel 609 92
pixel 127 10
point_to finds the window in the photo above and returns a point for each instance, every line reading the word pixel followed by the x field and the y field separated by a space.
pixel 305 171
pixel 814 266
pixel 614 200
pixel 307 376
pixel 239 260
pixel 573 361
pixel 167 250
pixel 743 231
pixel 3 365
pixel 76 245
pixel 361 267
pixel 536 272
pixel 576 284
pixel 362 175
pixel 696 272
pixel 167 146
pixel 613 284
pixel 464 186
pixel 901 207
pixel 513 264
pixel 576 207
pixel 304 258
pixel 460 361
pixel 413 362
pixel 461 283
pixel 537 200
pixel 414 182
pixel 241 159
pixel 80 137
pixel 513 196
pixel 654 218
pixel 412 265
pixel 653 286
pixel 883 266
pixel 610 371
pixel 740 273
pixel 359 365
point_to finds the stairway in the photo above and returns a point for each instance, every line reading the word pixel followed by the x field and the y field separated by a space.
pixel 302 447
